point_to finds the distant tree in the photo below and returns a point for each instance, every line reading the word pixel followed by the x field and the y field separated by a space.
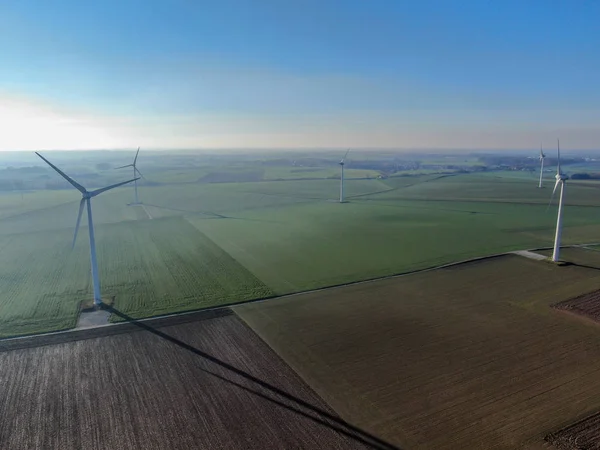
pixel 585 176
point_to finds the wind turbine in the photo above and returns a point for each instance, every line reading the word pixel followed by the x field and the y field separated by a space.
pixel 561 180
pixel 86 198
pixel 136 172
pixel 342 177
pixel 542 157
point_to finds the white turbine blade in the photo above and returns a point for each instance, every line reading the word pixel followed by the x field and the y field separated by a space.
pixel 81 205
pixel 122 167
pixel 553 192
pixel 558 159
pixel 344 158
pixel 112 186
pixel 139 173
pixel 136 155
pixel 74 183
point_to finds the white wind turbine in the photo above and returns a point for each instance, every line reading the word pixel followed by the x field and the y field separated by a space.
pixel 342 162
pixel 86 198
pixel 561 180
pixel 542 157
pixel 136 172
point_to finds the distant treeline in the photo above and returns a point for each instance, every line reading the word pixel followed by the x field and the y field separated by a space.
pixel 520 161
pixel 585 176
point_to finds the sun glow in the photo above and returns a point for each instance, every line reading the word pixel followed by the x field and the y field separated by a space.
pixel 28 125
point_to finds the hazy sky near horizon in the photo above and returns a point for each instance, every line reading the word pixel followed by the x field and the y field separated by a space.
pixel 468 74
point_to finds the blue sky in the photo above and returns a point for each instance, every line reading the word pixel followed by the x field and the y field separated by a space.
pixel 275 73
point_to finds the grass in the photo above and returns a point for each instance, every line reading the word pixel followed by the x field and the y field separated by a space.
pixel 17 203
pixel 488 188
pixel 315 244
pixel 466 357
pixel 150 267
pixel 291 173
pixel 167 265
pixel 272 237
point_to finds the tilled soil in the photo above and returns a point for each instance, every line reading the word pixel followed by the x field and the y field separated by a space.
pixel 209 384
pixel 584 434
pixel 587 305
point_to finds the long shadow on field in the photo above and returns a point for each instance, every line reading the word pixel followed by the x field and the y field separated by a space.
pixel 297 405
pixel 581 265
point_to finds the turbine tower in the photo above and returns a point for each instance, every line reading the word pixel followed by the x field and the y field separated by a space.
pixel 136 172
pixel 561 179
pixel 342 177
pixel 86 198
pixel 542 157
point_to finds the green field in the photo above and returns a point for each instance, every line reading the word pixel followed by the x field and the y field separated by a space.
pixel 151 267
pixel 199 244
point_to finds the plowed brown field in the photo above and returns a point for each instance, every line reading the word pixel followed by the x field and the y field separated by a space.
pixel 210 384
pixel 467 357
pixel 587 305
pixel 584 434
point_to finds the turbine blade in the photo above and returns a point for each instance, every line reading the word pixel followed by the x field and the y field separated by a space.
pixel 558 159
pixel 81 205
pixel 344 158
pixel 136 155
pixel 139 173
pixel 74 183
pixel 122 167
pixel 112 186
pixel 553 192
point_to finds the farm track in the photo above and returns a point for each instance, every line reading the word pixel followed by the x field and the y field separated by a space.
pixel 207 384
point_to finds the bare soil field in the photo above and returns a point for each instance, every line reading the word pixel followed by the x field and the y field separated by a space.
pixel 208 384
pixel 466 357
pixel 587 305
pixel 584 434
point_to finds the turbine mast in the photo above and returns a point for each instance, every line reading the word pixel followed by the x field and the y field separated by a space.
pixel 342 162
pixel 94 262
pixel 342 184
pixel 562 180
pixel 556 252
pixel 137 200
pixel 542 157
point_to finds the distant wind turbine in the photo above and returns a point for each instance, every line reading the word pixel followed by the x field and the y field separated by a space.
pixel 342 162
pixel 136 172
pixel 561 179
pixel 542 157
pixel 86 198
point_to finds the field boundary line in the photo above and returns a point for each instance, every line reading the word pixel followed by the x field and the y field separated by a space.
pixel 109 329
pixel 73 334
